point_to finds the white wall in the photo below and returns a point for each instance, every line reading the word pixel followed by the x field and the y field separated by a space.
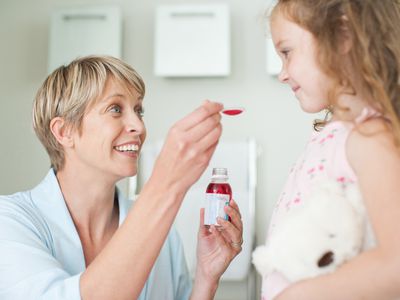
pixel 272 117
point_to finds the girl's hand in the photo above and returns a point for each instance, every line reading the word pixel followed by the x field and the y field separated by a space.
pixel 218 245
pixel 188 148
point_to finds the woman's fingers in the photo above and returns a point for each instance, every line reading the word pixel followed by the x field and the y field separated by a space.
pixel 231 234
pixel 234 213
pixel 203 133
pixel 232 230
pixel 197 132
pixel 200 114
pixel 189 146
pixel 210 139
pixel 205 127
pixel 203 230
pixel 235 206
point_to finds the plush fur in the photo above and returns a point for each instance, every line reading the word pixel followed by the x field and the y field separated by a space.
pixel 317 236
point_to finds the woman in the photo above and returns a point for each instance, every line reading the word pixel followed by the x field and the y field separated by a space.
pixel 74 236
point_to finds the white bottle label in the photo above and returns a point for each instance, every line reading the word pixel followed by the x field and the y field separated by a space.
pixel 215 208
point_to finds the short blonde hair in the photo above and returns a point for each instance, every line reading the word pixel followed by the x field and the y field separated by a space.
pixel 70 90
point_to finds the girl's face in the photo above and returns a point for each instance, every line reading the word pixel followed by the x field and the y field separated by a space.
pixel 297 49
pixel 112 134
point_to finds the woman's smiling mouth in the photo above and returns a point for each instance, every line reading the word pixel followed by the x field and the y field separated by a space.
pixel 130 149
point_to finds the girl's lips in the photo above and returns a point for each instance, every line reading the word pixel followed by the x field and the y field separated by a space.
pixel 295 89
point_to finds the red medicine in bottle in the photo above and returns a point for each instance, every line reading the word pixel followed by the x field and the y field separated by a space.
pixel 218 195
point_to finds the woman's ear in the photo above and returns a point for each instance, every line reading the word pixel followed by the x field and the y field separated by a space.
pixel 62 132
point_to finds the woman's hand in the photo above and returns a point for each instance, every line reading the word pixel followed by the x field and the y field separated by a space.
pixel 217 246
pixel 188 148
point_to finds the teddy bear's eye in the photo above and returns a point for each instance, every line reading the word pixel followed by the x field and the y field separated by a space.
pixel 326 259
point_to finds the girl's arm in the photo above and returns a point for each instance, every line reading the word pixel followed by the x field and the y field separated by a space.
pixel 373 274
pixel 122 268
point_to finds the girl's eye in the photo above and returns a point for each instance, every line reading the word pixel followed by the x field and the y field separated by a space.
pixel 115 109
pixel 285 53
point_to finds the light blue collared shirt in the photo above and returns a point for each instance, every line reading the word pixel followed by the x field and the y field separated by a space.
pixel 41 255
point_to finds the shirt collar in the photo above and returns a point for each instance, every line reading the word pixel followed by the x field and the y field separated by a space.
pixel 48 198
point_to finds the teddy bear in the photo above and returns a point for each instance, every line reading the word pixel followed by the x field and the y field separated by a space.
pixel 316 236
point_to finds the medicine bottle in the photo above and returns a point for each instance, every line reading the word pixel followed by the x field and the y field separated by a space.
pixel 218 195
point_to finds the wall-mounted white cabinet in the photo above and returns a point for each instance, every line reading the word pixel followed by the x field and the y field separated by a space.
pixel 192 40
pixel 84 31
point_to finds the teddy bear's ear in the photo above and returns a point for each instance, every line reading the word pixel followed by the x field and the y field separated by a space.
pixel 326 259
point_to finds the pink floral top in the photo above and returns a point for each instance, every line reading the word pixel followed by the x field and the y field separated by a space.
pixel 324 157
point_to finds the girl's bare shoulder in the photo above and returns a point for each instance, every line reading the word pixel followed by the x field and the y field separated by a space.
pixel 371 141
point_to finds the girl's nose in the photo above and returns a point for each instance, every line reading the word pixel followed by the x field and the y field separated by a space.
pixel 283 75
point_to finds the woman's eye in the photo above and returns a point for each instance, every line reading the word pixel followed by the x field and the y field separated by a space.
pixel 115 109
pixel 140 112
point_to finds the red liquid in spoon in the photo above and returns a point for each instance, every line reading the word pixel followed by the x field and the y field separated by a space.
pixel 232 112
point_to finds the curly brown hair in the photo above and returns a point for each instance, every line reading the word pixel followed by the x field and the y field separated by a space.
pixel 373 29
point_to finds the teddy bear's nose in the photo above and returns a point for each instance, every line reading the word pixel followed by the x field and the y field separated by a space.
pixel 326 259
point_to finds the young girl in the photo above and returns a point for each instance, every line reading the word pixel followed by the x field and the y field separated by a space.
pixel 344 56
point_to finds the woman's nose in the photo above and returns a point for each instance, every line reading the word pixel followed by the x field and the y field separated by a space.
pixel 134 123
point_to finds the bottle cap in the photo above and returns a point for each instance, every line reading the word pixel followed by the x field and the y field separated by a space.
pixel 220 173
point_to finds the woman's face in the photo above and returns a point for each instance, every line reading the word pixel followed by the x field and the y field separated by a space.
pixel 297 49
pixel 112 133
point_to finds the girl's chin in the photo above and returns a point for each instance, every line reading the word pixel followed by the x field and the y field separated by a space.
pixel 311 107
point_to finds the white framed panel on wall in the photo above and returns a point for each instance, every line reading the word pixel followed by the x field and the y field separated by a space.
pixel 192 40
pixel 80 31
